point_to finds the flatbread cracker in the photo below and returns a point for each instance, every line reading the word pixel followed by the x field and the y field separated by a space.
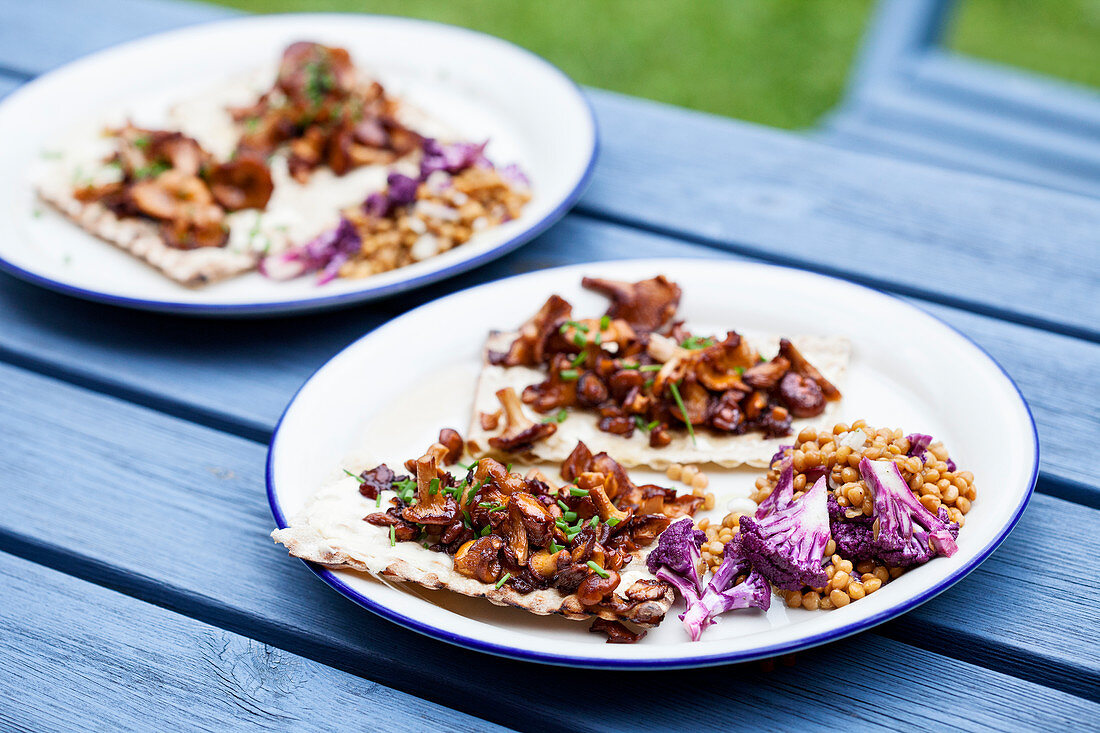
pixel 331 531
pixel 829 354
pixel 140 238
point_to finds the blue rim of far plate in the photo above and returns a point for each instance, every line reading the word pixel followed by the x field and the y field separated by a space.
pixel 510 652
pixel 303 305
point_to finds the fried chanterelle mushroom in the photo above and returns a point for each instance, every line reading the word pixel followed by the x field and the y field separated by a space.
pixel 521 532
pixel 638 369
pixel 327 115
pixel 170 179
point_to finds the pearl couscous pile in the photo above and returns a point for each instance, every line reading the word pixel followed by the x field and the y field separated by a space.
pixel 932 477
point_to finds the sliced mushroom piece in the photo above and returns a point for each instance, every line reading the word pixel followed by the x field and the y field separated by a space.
pixel 577 462
pixel 546 564
pixel 450 438
pixel 595 587
pixel 512 530
pixel 519 431
pixel 767 374
pixel 242 183
pixel 646 305
pixel 495 474
pixel 480 559
pixel 432 505
pixel 696 401
pixel 802 395
pixel 605 508
pixel 196 226
pixel 719 366
pixel 806 369
pixel 616 631
pixel 533 516
pixel 529 348
pixel 554 392
pixel 170 195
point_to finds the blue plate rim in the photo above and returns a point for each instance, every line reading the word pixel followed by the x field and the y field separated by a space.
pixel 306 305
pixel 331 579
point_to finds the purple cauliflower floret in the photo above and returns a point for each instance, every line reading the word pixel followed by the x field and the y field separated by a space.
pixel 854 536
pixel 787 545
pixel 676 557
pixel 905 532
pixel 723 593
pixel 325 252
pixel 782 494
pixel 676 561
pixel 778 456
pixel 918 446
pixel 451 157
pixel 402 189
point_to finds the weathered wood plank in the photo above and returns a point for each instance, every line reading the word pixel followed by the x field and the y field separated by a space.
pixel 74 652
pixel 1020 252
pixel 78 656
pixel 176 513
pixel 905 227
pixel 239 374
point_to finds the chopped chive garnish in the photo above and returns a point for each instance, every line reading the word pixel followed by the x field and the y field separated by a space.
pixel 427 546
pixel 594 521
pixel 393 536
pixel 491 506
pixel 629 365
pixel 378 500
pixel 555 548
pixel 641 424
pixel 486 530
pixel 563 505
pixel 697 342
pixel 466 516
pixel 598 338
pixel 605 323
pixel 612 521
pixel 648 383
pixel 569 375
pixel 651 368
pixel 570 516
pixel 579 339
pixel 508 468
pixel 465 467
pixel 649 428
pixel 675 389
pixel 355 476
pixel 504 580
pixel 559 417
pixel 560 524
pixel 575 491
pixel 598 570
pixel 433 487
pixel 579 359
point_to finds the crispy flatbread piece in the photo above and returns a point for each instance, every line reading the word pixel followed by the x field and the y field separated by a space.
pixel 140 238
pixel 829 354
pixel 331 531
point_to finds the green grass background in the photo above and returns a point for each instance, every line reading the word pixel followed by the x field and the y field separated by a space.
pixel 778 62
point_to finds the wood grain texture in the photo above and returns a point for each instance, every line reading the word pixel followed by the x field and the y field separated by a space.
pixel 239 375
pixel 77 656
pixel 176 514
pixel 905 227
pixel 1019 252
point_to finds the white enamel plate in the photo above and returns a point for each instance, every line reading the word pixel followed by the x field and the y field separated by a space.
pixel 478 86
pixel 388 394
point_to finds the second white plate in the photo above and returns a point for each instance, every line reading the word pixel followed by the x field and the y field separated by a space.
pixel 482 87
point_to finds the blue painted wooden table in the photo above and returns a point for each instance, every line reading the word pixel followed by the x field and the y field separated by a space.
pixel 140 589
